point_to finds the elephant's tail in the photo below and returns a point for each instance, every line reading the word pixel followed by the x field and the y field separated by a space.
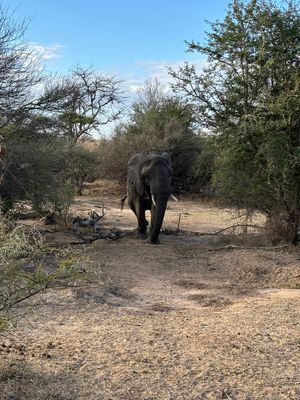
pixel 122 202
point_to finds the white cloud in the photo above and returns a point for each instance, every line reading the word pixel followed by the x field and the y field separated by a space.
pixel 150 69
pixel 47 53
pixel 135 75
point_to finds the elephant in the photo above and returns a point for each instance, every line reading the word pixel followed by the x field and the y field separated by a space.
pixel 149 183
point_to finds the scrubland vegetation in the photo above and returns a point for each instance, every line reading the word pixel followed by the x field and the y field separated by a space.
pixel 232 130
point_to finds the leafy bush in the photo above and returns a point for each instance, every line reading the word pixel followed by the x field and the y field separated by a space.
pixel 34 169
pixel 84 165
pixel 248 94
pixel 203 166
pixel 28 266
pixel 159 123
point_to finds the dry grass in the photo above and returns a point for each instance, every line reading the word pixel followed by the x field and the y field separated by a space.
pixel 183 320
pixel 105 187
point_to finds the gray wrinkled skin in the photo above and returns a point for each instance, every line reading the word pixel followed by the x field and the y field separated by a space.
pixel 149 181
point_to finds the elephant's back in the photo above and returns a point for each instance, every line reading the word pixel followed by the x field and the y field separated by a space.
pixel 135 160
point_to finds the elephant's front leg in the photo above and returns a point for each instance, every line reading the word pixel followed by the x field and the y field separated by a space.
pixel 142 222
pixel 153 211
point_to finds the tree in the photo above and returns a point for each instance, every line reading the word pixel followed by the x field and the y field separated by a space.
pixel 82 102
pixel 249 95
pixel 158 122
pixel 84 165
pixel 34 158
pixel 19 71
pixel 35 169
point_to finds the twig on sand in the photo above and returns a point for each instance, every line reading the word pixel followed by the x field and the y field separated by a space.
pixel 178 223
pixel 225 394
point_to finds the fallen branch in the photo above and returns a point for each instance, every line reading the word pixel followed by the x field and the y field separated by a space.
pixel 178 231
pixel 111 235
pixel 233 247
pixel 91 222
pixel 226 229
pixel 83 242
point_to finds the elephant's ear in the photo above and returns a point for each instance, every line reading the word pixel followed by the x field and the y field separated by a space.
pixel 139 186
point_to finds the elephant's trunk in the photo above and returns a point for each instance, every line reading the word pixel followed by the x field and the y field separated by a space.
pixel 159 212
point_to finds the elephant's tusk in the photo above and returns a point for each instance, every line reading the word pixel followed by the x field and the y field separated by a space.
pixel 153 201
pixel 173 197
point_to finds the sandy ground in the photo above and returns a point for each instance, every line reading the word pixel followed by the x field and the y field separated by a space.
pixel 191 318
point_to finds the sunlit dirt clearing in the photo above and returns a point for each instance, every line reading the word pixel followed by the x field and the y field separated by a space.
pixel 192 318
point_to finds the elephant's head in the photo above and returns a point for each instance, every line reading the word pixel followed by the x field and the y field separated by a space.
pixel 156 175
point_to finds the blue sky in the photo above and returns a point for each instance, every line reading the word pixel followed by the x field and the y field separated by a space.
pixel 133 40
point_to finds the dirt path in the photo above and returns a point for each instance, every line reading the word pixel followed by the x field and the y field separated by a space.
pixel 182 320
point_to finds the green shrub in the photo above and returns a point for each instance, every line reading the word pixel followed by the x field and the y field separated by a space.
pixel 28 266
